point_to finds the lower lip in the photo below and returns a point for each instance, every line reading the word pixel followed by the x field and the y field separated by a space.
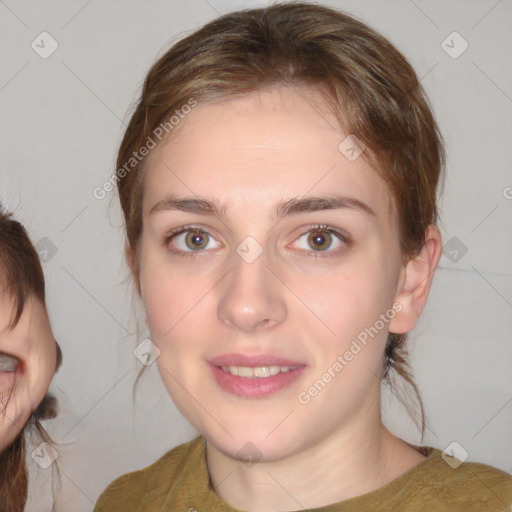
pixel 255 387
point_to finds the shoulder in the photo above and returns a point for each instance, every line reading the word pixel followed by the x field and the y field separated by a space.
pixel 468 486
pixel 153 483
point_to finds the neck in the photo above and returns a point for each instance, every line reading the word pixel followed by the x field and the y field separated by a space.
pixel 350 462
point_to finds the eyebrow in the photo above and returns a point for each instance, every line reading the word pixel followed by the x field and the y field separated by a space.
pixel 282 209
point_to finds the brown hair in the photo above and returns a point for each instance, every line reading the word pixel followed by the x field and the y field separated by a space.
pixel 372 89
pixel 21 276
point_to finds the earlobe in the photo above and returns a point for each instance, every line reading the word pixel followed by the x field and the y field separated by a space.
pixel 416 281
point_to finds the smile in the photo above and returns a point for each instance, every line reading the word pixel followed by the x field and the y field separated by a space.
pixel 256 382
pixel 261 372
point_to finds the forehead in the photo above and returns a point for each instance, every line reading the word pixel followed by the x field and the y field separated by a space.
pixel 266 146
pixel 8 303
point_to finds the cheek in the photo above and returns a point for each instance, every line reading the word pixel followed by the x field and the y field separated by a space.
pixel 174 289
pixel 179 312
pixel 348 299
pixel 172 301
pixel 40 363
pixel 42 374
pixel 352 336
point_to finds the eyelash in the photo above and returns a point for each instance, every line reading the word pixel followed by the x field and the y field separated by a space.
pixel 310 254
pixel 179 231
pixel 327 253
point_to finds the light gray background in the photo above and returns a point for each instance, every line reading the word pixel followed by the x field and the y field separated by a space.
pixel 62 120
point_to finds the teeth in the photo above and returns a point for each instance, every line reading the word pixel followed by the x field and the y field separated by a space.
pixel 8 363
pixel 257 372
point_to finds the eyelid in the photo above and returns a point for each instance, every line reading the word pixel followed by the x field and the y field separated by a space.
pixel 181 229
pixel 341 235
pixel 185 229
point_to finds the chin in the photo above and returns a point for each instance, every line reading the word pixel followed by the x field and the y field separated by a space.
pixel 251 445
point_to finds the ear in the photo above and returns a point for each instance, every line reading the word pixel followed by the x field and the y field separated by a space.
pixel 415 282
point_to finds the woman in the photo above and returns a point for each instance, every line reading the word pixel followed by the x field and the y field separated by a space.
pixel 29 357
pixel 278 181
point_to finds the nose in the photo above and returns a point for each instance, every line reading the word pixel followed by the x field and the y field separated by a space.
pixel 252 297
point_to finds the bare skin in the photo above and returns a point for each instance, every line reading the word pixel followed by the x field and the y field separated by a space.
pixel 293 301
pixel 30 355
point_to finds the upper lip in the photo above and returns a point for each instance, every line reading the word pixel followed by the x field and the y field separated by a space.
pixel 253 361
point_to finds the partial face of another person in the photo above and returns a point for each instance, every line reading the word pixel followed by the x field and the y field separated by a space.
pixel 28 359
pixel 254 301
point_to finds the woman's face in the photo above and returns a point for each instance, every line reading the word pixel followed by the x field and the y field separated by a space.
pixel 28 358
pixel 299 257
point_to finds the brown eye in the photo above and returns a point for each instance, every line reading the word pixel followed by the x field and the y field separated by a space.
pixel 322 239
pixel 190 240
pixel 196 240
pixel 319 240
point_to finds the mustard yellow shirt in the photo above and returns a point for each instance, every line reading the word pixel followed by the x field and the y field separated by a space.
pixel 179 482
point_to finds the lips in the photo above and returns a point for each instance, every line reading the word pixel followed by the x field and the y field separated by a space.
pixel 255 376
pixel 253 361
